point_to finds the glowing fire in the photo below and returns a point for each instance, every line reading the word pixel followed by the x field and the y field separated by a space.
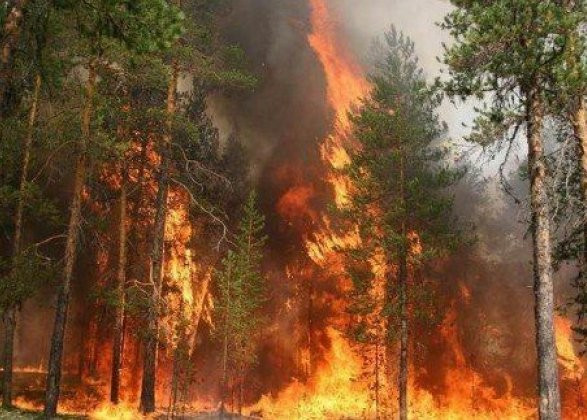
pixel 341 385
pixel 115 412
pixel 572 366
pixel 339 388
pixel 335 392
pixel 345 85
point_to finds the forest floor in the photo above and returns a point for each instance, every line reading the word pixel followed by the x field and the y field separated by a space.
pixel 16 414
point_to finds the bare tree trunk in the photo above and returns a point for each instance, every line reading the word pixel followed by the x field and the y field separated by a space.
pixel 10 34
pixel 241 388
pixel 579 121
pixel 175 379
pixel 548 386
pixel 403 300
pixel 120 292
pixel 9 329
pixel 11 313
pixel 156 269
pixel 224 380
pixel 377 385
pixel 403 360
pixel 55 356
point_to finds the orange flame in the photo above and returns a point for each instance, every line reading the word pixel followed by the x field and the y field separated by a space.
pixel 338 387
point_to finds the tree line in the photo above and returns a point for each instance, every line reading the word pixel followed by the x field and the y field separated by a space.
pixel 524 64
pixel 104 129
pixel 104 133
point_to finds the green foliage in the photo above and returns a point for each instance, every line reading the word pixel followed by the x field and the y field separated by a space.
pixel 503 49
pixel 216 64
pixel 22 276
pixel 241 288
pixel 142 26
pixel 399 199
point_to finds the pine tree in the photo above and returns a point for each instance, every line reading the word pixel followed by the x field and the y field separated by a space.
pixel 153 24
pixel 241 293
pixel 398 202
pixel 200 52
pixel 568 108
pixel 505 53
pixel 33 38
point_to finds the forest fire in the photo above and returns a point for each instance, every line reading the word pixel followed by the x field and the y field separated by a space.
pixel 179 310
pixel 338 388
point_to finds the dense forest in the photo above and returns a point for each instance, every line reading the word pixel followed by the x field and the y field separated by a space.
pixel 255 209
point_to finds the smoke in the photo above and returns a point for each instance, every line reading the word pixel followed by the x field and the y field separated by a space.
pixel 416 19
pixel 282 123
pixel 285 119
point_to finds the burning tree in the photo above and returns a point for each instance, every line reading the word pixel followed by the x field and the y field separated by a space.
pixel 517 53
pixel 100 29
pixel 398 201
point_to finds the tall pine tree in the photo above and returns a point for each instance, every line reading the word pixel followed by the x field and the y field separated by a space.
pixel 504 54
pixel 398 200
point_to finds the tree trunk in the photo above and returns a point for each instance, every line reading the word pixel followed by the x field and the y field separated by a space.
pixel 156 265
pixel 241 388
pixel 11 313
pixel 175 378
pixel 9 329
pixel 224 380
pixel 120 296
pixel 55 356
pixel 403 298
pixel 10 34
pixel 548 387
pixel 579 121
pixel 403 361
pixel 377 379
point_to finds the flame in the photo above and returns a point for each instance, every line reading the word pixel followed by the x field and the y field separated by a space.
pixel 345 85
pixel 296 202
pixel 334 393
pixel 339 387
pixel 179 266
pixel 121 411
pixel 40 369
pixel 571 363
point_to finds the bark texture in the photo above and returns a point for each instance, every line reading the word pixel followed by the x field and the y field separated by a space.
pixel 548 386
pixel 117 342
pixel 156 264
pixel 403 299
pixel 56 354
pixel 579 121
pixel 403 363
pixel 10 314
pixel 9 320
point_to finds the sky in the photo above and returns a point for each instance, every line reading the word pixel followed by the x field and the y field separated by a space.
pixel 368 19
